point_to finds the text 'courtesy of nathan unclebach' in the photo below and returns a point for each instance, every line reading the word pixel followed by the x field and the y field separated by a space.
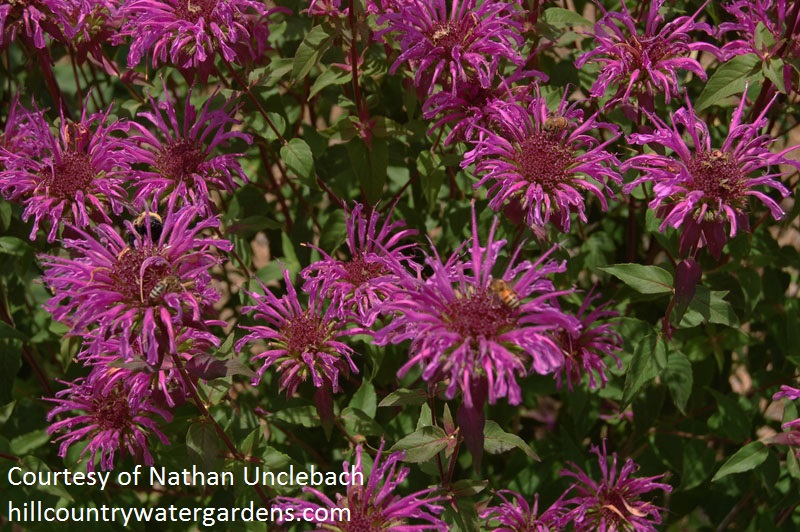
pixel 142 477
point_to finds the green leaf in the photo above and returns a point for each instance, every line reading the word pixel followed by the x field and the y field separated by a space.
pixel 405 397
pixel 311 50
pixel 334 232
pixel 299 159
pixel 561 18
pixel 750 282
pixel 747 458
pixel 643 279
pixel 729 79
pixel 432 175
pixel 369 164
pixel 468 488
pixel 332 76
pixel 764 40
pixel 29 442
pixel 365 399
pixel 422 445
pixel 300 415
pixel 773 71
pixel 6 410
pixel 13 246
pixel 5 214
pixel 291 262
pixel 699 461
pixel 7 331
pixel 31 463
pixel 498 441
pixel 714 309
pixel 649 360
pixel 731 420
pixel 203 445
pixel 357 421
pixel 278 67
pixel 679 379
pixel 247 227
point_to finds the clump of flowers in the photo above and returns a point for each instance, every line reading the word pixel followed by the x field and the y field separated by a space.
pixel 375 505
pixel 474 328
pixel 612 503
pixel 145 288
pixel 302 342
pixel 114 411
pixel 704 188
pixel 378 258
pixel 462 43
pixel 792 428
pixel 190 33
pixel 470 107
pixel 514 514
pixel 585 348
pixel 183 154
pixel 644 64
pixel 72 177
pixel 775 17
pixel 30 20
pixel 546 161
pixel 89 24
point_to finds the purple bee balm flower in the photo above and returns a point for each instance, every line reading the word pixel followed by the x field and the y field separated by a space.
pixel 547 161
pixel 374 505
pixel 168 383
pixel 183 155
pixel 89 24
pixel 474 329
pixel 702 187
pixel 585 348
pixel 189 33
pixel 326 8
pixel 470 107
pixel 514 514
pixel 645 64
pixel 614 502
pixel 301 342
pixel 457 44
pixel 777 19
pixel 115 414
pixel 72 178
pixel 791 394
pixel 373 271
pixel 146 294
pixel 30 20
pixel 20 134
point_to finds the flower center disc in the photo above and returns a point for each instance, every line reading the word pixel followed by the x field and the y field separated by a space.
pixel 717 176
pixel 543 159
pixel 479 315
pixel 126 273
pixel 194 10
pixel 180 159
pixel 113 412
pixel 75 173
pixel 304 333
pixel 360 271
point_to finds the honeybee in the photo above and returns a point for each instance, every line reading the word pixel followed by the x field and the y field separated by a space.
pixel 170 283
pixel 555 123
pixel 140 225
pixel 504 293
